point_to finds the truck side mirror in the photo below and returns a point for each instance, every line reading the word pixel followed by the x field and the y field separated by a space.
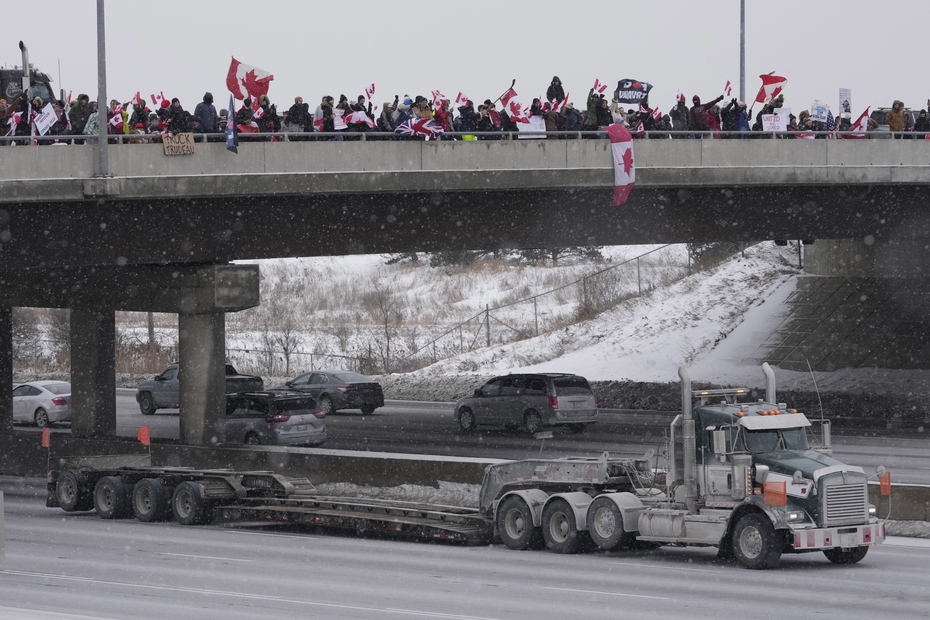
pixel 762 472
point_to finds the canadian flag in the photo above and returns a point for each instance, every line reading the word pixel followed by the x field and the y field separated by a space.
pixel 137 99
pixel 657 114
pixel 358 118
pixel 599 86
pixel 556 106
pixel 244 80
pixel 728 89
pixel 507 97
pixel 461 99
pixel 858 129
pixel 679 96
pixel 621 143
pixel 438 99
pixel 772 85
pixel 157 99
pixel 640 129
pixel 805 136
pixel 15 119
pixel 370 91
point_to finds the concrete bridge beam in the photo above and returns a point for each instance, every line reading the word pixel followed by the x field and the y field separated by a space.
pixel 869 257
pixel 93 373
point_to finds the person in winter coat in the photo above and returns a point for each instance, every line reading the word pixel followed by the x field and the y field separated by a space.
pixel 552 118
pixel 603 115
pixel 922 124
pixel 714 121
pixel 681 118
pixel 140 116
pixel 386 118
pixel 728 117
pixel 244 116
pixel 571 118
pixel 592 104
pixel 205 115
pixel 895 118
pixel 699 120
pixel 443 116
pixel 79 113
pixel 179 120
pixel 468 118
pixel 555 92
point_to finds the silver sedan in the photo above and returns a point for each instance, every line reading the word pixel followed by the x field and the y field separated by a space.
pixel 42 402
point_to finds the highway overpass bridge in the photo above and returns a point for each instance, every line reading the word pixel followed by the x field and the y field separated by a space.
pixel 159 234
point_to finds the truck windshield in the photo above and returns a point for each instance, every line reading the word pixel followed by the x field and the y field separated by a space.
pixel 775 440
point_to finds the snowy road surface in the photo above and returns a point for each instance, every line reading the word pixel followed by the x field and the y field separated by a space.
pixel 82 566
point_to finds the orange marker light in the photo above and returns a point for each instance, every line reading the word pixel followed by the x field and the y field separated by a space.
pixel 145 435
pixel 775 493
pixel 46 437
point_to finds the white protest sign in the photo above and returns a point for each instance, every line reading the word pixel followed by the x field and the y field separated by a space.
pixel 777 121
pixel 46 119
pixel 846 101
pixel 819 111
pixel 536 124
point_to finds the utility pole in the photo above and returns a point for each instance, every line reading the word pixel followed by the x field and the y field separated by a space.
pixel 103 165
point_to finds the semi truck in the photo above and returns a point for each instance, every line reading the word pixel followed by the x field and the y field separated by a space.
pixel 741 477
pixel 25 79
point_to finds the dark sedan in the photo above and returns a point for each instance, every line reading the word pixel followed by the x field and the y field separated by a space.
pixel 338 389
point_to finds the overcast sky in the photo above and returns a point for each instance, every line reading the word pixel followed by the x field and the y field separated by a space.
pixel 313 49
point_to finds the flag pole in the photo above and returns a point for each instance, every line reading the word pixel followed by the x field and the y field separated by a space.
pixel 505 92
pixel 742 50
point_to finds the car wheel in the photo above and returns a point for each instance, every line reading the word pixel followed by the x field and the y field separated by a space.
pixel 577 428
pixel 189 506
pixel 41 417
pixel 754 542
pixel 326 405
pixel 146 404
pixel 846 556
pixel 559 528
pixel 467 420
pixel 605 525
pixel 515 524
pixel 251 439
pixel 112 498
pixel 531 421
pixel 72 494
pixel 150 501
pixel 368 410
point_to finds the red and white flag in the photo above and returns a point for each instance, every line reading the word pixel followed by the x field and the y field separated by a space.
pixel 357 118
pixel 370 91
pixel 621 143
pixel 66 110
pixel 158 98
pixel 859 128
pixel 244 80
pixel 599 86
pixel 679 96
pixel 556 106
pixel 805 136
pixel 15 119
pixel 772 85
pixel 438 99
pixel 461 99
pixel 657 114
pixel 137 98
pixel 510 95
pixel 728 90
pixel 640 129
pixel 318 125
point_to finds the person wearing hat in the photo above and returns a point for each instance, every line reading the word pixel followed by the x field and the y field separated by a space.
pixel 681 117
pixel 420 108
pixel 699 112
pixel 386 118
pixel 205 116
pixel 895 118
pixel 572 119
pixel 555 92
pixel 79 113
pixel 922 124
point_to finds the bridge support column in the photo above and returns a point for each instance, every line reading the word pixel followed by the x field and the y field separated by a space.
pixel 6 369
pixel 93 373
pixel 202 349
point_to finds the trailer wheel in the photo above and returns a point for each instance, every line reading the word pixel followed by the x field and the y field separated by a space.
pixel 150 501
pixel 605 525
pixel 754 542
pixel 846 556
pixel 72 494
pixel 559 528
pixel 112 498
pixel 515 524
pixel 189 506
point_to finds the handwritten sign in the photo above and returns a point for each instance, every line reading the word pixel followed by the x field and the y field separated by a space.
pixel 777 121
pixel 45 119
pixel 819 111
pixel 179 144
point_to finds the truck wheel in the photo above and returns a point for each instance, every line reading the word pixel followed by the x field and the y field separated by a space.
pixel 467 420
pixel 326 405
pixel 189 506
pixel 72 494
pixel 605 525
pixel 112 498
pixel 754 542
pixel 846 556
pixel 150 501
pixel 515 524
pixel 559 527
pixel 531 421
pixel 146 404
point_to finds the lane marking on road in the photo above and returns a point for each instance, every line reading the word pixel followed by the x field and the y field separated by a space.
pixel 664 567
pixel 241 595
pixel 202 557
pixel 658 598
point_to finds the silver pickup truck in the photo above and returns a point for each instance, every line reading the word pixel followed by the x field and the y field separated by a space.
pixel 162 392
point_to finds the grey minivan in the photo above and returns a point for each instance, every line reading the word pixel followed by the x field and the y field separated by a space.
pixel 274 418
pixel 531 401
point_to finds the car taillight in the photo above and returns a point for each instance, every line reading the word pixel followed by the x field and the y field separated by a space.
pixel 596 401
pixel 554 402
pixel 319 414
pixel 278 419
pixel 59 401
pixel 347 388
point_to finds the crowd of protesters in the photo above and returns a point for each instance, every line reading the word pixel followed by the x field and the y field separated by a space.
pixel 339 121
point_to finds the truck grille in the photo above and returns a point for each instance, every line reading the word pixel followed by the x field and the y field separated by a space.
pixel 845 503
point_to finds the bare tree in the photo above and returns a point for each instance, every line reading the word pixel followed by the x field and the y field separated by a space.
pixel 383 305
pixel 27 338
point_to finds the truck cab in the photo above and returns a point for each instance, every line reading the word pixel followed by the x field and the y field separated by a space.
pixel 14 82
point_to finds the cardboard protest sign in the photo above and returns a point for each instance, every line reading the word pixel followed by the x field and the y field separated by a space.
pixel 179 144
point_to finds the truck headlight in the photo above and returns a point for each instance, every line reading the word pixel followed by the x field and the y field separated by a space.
pixel 795 515
pixel 872 510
